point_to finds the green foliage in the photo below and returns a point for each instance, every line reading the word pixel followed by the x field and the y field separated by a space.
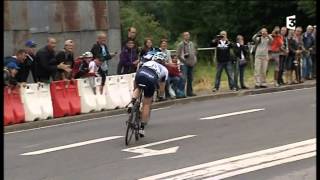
pixel 308 6
pixel 146 25
pixel 205 19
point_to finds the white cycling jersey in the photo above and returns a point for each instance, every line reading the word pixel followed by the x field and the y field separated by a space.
pixel 161 70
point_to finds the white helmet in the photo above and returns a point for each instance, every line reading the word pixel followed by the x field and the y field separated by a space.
pixel 160 57
pixel 87 54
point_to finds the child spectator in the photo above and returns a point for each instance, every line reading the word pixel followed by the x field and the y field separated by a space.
pixel 81 66
pixel 176 77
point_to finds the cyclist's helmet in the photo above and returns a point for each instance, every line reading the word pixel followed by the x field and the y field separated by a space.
pixel 148 56
pixel 160 57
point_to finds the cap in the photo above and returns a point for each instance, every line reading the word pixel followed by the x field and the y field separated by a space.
pixel 12 65
pixel 87 54
pixel 30 44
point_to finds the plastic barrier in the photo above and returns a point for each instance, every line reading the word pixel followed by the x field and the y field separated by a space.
pixel 124 90
pixel 44 96
pixel 87 97
pixel 13 111
pixel 60 103
pixel 31 102
pixel 111 91
pixel 72 94
pixel 101 99
pixel 8 116
pixel 130 79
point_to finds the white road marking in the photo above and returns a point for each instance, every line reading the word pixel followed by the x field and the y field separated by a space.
pixel 232 166
pixel 232 114
pixel 144 152
pixel 70 146
pixel 13 132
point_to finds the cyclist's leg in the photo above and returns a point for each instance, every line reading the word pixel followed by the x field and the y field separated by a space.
pixel 145 114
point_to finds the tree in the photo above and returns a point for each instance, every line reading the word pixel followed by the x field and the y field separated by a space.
pixel 146 25
pixel 308 6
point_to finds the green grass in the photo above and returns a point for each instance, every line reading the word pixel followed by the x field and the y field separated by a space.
pixel 205 72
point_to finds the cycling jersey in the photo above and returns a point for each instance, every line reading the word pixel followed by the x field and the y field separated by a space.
pixel 159 69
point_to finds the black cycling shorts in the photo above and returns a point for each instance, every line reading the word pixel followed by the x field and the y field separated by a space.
pixel 149 78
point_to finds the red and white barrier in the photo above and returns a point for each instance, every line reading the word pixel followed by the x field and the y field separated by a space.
pixel 66 98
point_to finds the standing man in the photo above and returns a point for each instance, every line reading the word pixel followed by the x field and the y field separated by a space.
pixel 284 51
pixel 262 40
pixel 308 43
pixel 186 53
pixel 313 52
pixel 31 59
pixel 46 62
pixel 100 50
pixel 65 56
pixel 132 35
pixel 224 60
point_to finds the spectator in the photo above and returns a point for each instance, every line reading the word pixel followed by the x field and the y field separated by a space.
pixel 19 60
pixel 262 42
pixel 30 63
pixel 100 50
pixel 65 56
pixel 164 48
pixel 96 71
pixel 46 63
pixel 313 52
pixel 10 71
pixel 308 43
pixel 128 58
pixel 132 34
pixel 147 48
pixel 283 58
pixel 186 53
pixel 241 52
pixel 81 66
pixel 224 60
pixel 298 54
pixel 175 79
pixel 290 66
pixel 274 52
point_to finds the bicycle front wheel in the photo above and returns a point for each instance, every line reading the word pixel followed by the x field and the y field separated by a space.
pixel 130 130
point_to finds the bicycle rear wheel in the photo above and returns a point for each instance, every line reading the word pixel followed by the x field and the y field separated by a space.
pixel 133 124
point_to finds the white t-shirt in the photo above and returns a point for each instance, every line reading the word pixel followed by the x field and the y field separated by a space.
pixel 158 68
pixel 93 68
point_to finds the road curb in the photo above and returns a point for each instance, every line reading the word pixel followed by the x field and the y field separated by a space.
pixel 68 119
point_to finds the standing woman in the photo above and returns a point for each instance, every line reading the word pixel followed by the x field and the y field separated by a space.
pixel 241 52
pixel 164 48
pixel 148 46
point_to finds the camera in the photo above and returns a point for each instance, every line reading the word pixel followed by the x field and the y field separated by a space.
pixel 259 35
pixel 186 55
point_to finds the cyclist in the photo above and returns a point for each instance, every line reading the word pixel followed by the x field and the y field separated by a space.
pixel 152 75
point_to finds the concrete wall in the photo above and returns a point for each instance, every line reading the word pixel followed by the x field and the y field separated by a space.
pixel 76 20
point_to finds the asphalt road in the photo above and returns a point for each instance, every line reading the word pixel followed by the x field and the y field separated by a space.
pixel 96 150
